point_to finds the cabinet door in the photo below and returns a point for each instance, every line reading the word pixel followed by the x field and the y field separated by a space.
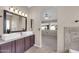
pixel 32 40
pixel 20 46
pixel 5 48
pixel 27 43
pixel 13 46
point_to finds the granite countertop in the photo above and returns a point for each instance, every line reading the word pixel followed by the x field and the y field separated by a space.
pixel 6 41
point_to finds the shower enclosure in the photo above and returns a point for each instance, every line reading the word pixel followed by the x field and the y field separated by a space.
pixel 71 38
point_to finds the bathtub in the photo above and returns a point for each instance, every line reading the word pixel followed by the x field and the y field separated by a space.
pixel 73 51
pixel 74 48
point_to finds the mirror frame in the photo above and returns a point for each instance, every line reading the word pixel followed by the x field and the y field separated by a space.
pixel 4 22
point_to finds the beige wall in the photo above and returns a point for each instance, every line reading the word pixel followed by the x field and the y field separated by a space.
pixel 35 14
pixel 1 22
pixel 66 18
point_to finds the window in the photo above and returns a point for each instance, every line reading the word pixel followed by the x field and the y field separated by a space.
pixel 49 27
pixel 52 27
pixel 44 27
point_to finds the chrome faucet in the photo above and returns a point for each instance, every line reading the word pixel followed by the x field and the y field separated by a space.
pixel 0 37
pixel 21 33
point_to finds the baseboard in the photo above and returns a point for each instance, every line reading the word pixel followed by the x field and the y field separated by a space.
pixel 37 45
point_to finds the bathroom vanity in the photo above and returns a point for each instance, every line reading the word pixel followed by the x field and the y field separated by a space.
pixel 15 37
pixel 17 45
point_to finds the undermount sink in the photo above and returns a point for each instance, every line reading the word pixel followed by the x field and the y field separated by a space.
pixel 27 33
pixel 10 36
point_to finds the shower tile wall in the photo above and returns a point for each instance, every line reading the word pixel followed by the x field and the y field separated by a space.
pixel 71 37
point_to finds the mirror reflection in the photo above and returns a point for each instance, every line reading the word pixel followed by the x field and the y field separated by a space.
pixel 14 22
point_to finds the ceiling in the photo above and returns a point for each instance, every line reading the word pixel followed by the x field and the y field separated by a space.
pixel 52 14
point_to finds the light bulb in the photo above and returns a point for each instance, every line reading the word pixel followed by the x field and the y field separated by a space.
pixel 20 12
pixel 25 15
pixel 16 10
pixel 11 9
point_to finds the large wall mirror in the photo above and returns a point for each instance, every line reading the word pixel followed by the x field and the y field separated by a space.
pixel 14 22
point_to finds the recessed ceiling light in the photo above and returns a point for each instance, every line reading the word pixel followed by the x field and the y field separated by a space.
pixel 46 18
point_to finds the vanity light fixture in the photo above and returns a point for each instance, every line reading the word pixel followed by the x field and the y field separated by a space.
pixel 22 14
pixel 25 15
pixel 11 9
pixel 16 11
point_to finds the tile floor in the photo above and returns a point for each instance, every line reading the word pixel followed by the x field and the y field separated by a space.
pixel 49 42
pixel 49 45
pixel 40 50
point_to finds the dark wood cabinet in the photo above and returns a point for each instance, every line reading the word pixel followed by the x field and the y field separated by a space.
pixel 27 43
pixel 20 45
pixel 32 40
pixel 7 47
pixel 13 46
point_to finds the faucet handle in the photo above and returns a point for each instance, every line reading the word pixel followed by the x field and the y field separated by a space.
pixel 0 36
pixel 21 33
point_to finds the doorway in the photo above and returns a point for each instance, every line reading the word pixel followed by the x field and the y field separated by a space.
pixel 49 29
pixel 49 36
